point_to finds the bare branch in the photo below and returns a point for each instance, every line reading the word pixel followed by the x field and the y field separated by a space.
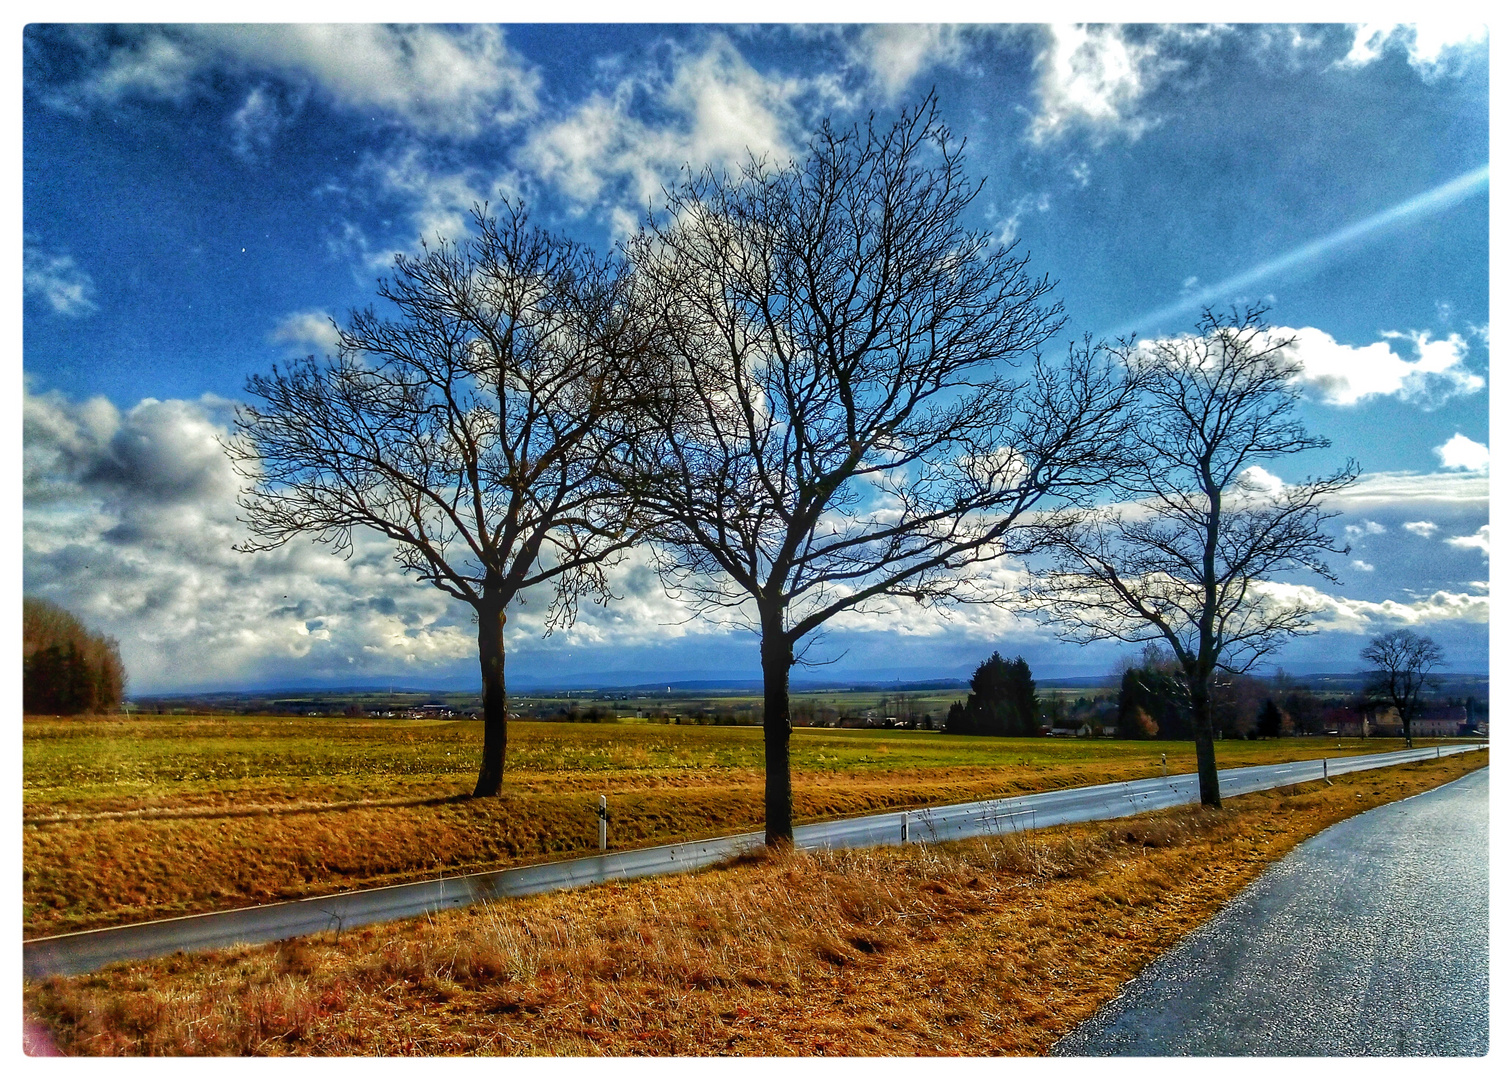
pixel 473 428
pixel 1179 560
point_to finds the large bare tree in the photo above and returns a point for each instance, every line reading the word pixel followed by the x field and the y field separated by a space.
pixel 1401 663
pixel 837 423
pixel 467 428
pixel 1184 557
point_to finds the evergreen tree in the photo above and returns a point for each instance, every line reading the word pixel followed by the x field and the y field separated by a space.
pixel 1149 697
pixel 1002 701
pixel 1268 726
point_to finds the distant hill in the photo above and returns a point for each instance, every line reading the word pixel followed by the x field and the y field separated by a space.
pixel 382 695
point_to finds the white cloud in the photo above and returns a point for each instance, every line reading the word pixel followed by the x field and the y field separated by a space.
pixel 1097 78
pixel 1462 453
pixel 1480 539
pixel 1258 479
pixel 1365 528
pixel 1006 226
pixel 1425 529
pixel 57 280
pixel 1362 565
pixel 894 54
pixel 1392 490
pixel 717 108
pixel 312 328
pixel 1093 77
pixel 1339 374
pixel 130 521
pixel 1433 49
pixel 264 112
pixel 1368 616
pixel 439 80
pixel 440 200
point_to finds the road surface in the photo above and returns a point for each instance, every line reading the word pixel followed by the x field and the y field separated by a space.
pixel 1371 938
pixel 89 950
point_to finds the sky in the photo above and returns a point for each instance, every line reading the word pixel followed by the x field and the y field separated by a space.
pixel 199 201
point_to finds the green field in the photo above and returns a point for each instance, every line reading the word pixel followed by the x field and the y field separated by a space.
pixel 126 820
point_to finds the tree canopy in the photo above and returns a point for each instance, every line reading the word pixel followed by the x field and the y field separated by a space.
pixel 66 668
pixel 1002 701
pixel 1189 556
pixel 839 420
pixel 1402 665
pixel 470 428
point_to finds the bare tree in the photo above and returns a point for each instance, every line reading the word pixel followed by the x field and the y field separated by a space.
pixel 836 425
pixel 467 429
pixel 1185 558
pixel 1401 662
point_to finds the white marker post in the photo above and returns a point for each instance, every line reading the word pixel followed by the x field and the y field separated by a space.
pixel 1326 780
pixel 905 826
pixel 1163 770
pixel 603 815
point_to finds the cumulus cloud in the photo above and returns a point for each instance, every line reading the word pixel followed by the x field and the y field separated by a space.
pixel 441 80
pixel 439 198
pixel 1340 374
pixel 58 281
pixel 1425 529
pixel 1092 77
pixel 1480 540
pixel 711 107
pixel 130 522
pixel 1097 78
pixel 1361 565
pixel 311 328
pixel 1258 479
pixel 1462 453
pixel 1364 528
pixel 1368 616
pixel 1434 49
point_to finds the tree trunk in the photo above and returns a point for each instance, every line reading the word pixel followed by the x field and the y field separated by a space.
pixel 777 729
pixel 1406 728
pixel 495 704
pixel 1202 729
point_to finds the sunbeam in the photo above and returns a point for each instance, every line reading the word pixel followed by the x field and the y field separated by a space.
pixel 1429 202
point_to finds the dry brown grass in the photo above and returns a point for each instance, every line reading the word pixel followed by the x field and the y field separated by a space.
pixel 129 821
pixel 995 946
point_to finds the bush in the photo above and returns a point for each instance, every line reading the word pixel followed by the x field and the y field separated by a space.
pixel 66 669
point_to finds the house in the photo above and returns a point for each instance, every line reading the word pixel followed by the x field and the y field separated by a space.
pixel 1432 721
pixel 1345 721
pixel 1440 720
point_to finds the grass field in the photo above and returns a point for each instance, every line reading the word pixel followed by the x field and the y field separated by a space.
pixel 991 946
pixel 131 820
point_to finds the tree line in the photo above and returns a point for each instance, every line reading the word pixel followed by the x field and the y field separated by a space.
pixel 808 388
pixel 66 669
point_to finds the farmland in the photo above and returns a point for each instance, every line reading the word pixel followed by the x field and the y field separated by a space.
pixel 126 820
pixel 991 946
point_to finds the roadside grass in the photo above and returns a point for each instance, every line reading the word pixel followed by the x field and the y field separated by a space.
pixel 990 946
pixel 131 820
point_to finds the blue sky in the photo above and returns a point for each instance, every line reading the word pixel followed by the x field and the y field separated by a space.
pixel 199 199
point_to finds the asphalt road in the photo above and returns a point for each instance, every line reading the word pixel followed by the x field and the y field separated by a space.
pixel 1372 938
pixel 78 953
